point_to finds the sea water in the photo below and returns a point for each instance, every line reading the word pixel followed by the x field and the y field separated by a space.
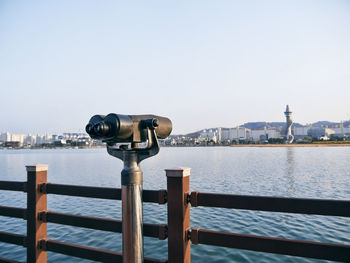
pixel 311 172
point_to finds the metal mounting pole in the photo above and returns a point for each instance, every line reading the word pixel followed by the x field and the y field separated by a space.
pixel 131 180
pixel 125 135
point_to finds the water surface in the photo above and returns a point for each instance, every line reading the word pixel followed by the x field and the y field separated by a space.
pixel 316 172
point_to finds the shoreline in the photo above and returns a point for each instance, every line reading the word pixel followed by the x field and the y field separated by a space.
pixel 199 146
pixel 293 145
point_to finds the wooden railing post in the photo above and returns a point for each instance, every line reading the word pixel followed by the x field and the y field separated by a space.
pixel 178 183
pixel 36 203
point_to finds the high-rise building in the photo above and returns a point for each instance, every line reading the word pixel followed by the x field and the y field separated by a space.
pixel 289 122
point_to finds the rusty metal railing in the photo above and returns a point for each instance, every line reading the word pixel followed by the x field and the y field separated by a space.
pixel 178 230
pixel 307 206
pixel 335 252
pixel 328 251
pixel 38 216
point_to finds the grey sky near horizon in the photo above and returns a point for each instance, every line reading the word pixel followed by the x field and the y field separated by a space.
pixel 201 63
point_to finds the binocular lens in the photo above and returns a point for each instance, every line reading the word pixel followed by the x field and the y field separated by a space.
pixel 88 128
pixel 151 123
pixel 101 129
pixel 115 128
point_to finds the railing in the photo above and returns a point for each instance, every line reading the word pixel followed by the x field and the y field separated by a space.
pixel 178 229
pixel 38 216
pixel 336 252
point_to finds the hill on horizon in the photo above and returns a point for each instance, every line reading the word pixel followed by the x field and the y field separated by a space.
pixel 260 125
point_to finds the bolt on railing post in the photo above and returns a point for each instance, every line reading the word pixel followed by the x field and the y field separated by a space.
pixel 178 183
pixel 36 203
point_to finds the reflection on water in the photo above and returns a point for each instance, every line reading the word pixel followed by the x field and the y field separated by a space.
pixel 290 164
pixel 300 172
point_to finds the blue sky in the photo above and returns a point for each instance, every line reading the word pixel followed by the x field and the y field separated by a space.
pixel 201 63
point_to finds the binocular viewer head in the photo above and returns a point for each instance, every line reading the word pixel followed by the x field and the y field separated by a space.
pixel 116 128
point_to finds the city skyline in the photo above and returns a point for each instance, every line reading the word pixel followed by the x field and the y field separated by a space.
pixel 268 124
pixel 270 133
pixel 198 63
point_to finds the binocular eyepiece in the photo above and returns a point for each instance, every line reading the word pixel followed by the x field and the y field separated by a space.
pixel 116 128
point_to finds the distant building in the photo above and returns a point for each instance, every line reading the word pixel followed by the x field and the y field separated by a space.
pixel 5 137
pixel 44 139
pixel 320 133
pixel 30 140
pixel 273 134
pixel 209 135
pixel 301 132
pixel 240 133
pixel 289 123
pixel 219 134
pixel 21 140
pixel 12 144
pixel 265 134
pixel 230 134
pixel 258 135
pixel 341 132
pixel 8 137
pixel 225 135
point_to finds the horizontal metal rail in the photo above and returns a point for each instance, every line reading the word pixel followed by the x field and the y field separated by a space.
pixel 273 204
pixel 82 191
pixel 86 252
pixel 12 238
pixel 153 196
pixel 6 260
pixel 13 212
pixel 13 186
pixel 151 230
pixel 272 245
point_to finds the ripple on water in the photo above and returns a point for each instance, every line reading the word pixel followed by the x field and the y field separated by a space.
pixel 298 172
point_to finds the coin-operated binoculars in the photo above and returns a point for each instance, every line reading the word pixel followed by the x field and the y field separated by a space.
pixel 130 138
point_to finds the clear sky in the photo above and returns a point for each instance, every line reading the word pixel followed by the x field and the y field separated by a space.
pixel 201 63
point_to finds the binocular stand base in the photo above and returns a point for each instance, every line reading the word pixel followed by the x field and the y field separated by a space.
pixel 132 209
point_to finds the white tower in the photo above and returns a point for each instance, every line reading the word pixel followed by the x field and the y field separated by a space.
pixel 289 122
